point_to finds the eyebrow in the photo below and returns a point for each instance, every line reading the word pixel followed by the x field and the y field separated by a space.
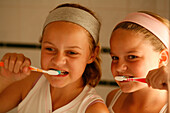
pixel 111 53
pixel 134 52
pixel 74 47
pixel 48 42
pixel 66 47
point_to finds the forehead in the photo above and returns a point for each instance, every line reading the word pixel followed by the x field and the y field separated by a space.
pixel 67 26
pixel 126 39
pixel 65 33
pixel 126 36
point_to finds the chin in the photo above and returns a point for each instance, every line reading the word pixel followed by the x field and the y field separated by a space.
pixel 132 89
pixel 128 90
pixel 57 85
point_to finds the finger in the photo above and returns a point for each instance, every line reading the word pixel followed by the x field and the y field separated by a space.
pixel 160 85
pixel 160 79
pixel 26 71
pixel 155 80
pixel 5 59
pixel 25 66
pixel 149 77
pixel 19 62
pixel 12 61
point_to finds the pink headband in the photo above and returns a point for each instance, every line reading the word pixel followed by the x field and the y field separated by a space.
pixel 151 24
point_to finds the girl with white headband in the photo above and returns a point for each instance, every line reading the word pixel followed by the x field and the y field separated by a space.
pixel 139 44
pixel 70 43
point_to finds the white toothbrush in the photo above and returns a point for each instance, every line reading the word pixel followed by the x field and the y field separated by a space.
pixel 123 78
pixel 50 72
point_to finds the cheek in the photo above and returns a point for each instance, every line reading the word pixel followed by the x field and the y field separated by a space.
pixel 44 60
pixel 113 69
pixel 77 67
pixel 139 69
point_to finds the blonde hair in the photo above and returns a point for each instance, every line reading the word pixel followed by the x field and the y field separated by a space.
pixel 156 43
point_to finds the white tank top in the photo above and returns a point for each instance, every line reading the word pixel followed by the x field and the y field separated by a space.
pixel 38 100
pixel 118 93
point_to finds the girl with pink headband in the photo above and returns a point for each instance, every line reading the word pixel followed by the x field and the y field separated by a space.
pixel 139 49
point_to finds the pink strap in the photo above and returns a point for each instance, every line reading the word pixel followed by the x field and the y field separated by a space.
pixel 152 24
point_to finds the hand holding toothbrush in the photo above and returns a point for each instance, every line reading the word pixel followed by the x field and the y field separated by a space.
pixel 17 64
pixel 15 67
pixel 158 78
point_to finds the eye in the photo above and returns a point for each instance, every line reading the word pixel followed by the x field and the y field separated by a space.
pixel 132 57
pixel 49 49
pixel 115 59
pixel 72 53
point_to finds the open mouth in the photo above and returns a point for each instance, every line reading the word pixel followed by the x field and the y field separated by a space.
pixel 64 73
pixel 126 76
pixel 61 72
pixel 129 76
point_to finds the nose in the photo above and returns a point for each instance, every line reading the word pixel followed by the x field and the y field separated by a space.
pixel 59 59
pixel 121 67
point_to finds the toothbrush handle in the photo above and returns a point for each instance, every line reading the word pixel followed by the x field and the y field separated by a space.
pixel 137 79
pixel 142 80
pixel 35 69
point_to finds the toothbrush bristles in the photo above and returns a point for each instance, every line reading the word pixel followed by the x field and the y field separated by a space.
pixel 120 78
pixel 53 72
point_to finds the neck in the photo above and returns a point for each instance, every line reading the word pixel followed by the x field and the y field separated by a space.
pixel 65 91
pixel 64 95
pixel 144 99
pixel 149 96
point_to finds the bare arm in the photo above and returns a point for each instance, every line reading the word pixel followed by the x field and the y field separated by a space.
pixel 10 97
pixel 14 71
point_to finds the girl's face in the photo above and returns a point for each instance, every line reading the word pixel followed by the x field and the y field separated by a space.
pixel 65 47
pixel 132 56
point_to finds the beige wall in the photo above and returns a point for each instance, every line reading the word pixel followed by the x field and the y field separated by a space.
pixel 21 21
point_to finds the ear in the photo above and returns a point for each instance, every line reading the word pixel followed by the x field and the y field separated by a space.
pixel 164 57
pixel 93 55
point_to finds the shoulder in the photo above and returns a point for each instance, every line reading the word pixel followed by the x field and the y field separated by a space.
pixel 97 108
pixel 110 96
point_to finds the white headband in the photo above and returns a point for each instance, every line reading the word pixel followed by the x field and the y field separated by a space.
pixel 77 16
pixel 152 24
